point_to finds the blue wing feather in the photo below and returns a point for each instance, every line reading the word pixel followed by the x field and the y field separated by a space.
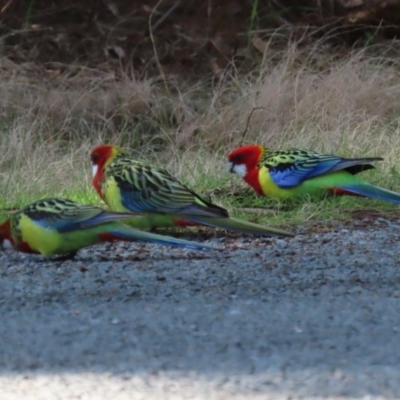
pixel 290 168
pixel 65 215
pixel 291 175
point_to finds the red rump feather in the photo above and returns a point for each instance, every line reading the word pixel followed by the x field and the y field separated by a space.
pixel 342 192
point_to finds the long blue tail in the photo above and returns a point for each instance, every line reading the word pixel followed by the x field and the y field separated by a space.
pixel 373 192
pixel 131 234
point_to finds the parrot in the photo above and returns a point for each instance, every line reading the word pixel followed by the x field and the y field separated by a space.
pixel 126 184
pixel 294 173
pixel 60 226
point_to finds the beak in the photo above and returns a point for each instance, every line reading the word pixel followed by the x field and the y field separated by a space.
pixel 229 166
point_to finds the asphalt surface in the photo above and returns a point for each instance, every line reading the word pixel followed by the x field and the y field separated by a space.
pixel 314 317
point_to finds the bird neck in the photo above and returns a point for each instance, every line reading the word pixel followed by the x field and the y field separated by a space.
pixel 102 166
pixel 252 178
pixel 264 153
pixel 96 182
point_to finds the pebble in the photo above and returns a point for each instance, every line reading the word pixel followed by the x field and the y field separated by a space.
pixel 315 316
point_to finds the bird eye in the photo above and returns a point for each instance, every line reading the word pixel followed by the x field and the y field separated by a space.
pixel 94 158
pixel 239 158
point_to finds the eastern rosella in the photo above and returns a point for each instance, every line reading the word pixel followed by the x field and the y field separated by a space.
pixel 295 173
pixel 126 184
pixel 60 226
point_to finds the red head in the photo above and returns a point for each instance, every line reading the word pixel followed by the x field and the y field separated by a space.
pixel 6 239
pixel 244 162
pixel 101 156
pixel 245 159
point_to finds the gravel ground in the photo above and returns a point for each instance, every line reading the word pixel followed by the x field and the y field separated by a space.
pixel 317 316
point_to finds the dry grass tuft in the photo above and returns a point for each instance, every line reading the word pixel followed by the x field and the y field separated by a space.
pixel 50 120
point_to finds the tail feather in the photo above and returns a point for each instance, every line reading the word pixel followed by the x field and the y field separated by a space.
pixel 131 234
pixel 355 165
pixel 236 225
pixel 373 192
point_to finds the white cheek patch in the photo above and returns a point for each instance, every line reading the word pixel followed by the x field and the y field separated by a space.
pixel 7 244
pixel 94 169
pixel 240 169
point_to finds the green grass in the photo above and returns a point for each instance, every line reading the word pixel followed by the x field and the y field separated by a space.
pixel 346 106
pixel 228 191
pixel 247 205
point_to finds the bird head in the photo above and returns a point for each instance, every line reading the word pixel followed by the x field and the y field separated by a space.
pixel 244 159
pixel 103 155
pixel 6 240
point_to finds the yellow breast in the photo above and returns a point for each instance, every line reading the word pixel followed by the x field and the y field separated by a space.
pixel 112 195
pixel 44 241
pixel 270 188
